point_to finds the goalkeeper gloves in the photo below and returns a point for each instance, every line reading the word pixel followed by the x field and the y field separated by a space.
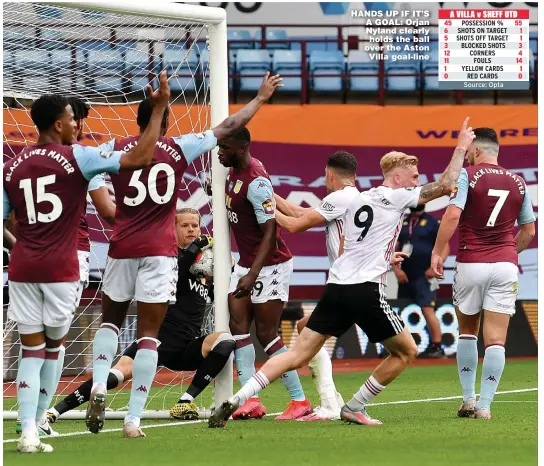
pixel 203 242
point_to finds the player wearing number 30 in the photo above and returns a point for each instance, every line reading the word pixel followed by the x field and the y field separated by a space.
pixel 142 258
pixel 355 290
pixel 486 203
pixel 46 185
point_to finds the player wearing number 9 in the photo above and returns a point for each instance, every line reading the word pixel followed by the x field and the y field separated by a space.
pixel 486 203
pixel 142 255
pixel 355 290
pixel 46 186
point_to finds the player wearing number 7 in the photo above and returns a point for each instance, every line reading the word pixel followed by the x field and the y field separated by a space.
pixel 485 204
pixel 46 186
pixel 355 290
pixel 142 257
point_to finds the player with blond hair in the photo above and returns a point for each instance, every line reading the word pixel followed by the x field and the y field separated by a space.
pixel 355 290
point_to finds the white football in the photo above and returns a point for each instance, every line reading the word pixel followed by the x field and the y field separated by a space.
pixel 203 264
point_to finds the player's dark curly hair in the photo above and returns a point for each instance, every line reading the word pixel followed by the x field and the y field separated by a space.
pixel 343 162
pixel 486 135
pixel 242 135
pixel 144 113
pixel 80 109
pixel 47 109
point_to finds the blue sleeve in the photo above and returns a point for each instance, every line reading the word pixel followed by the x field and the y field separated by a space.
pixel 458 197
pixel 526 214
pixel 96 183
pixel 260 194
pixel 7 206
pixel 93 161
pixel 107 146
pixel 195 144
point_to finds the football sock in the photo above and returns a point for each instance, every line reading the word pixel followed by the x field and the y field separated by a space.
pixel 60 361
pixel 244 355
pixel 104 349
pixel 254 385
pixel 212 364
pixel 367 392
pixel 143 371
pixel 290 379
pixel 467 363
pixel 491 375
pixel 28 386
pixel 321 370
pixel 83 393
pixel 48 381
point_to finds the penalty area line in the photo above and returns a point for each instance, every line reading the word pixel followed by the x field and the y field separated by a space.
pixel 184 423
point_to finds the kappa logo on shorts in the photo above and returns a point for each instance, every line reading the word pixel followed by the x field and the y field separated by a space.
pixel 274 293
pixel 275 272
pixel 274 282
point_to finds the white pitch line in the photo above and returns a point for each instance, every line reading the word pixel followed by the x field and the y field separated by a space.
pixel 446 398
pixel 184 423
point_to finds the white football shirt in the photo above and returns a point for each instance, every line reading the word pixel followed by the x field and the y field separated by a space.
pixel 371 227
pixel 333 208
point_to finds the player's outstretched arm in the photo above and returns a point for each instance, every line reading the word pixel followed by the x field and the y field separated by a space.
pixel 300 224
pixel 445 185
pixel 241 118
pixel 288 208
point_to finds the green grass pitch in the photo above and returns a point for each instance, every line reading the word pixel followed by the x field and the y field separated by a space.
pixel 417 433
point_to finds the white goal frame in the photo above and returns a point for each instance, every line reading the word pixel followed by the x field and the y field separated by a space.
pixel 216 20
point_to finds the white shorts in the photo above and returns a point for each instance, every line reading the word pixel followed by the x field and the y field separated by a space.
pixel 83 258
pixel 43 304
pixel 272 283
pixel 145 279
pixel 485 286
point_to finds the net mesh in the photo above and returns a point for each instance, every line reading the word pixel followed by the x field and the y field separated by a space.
pixel 106 59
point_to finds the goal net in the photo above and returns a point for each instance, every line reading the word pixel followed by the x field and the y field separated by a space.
pixel 106 58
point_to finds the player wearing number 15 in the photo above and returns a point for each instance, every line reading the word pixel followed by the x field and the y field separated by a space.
pixel 486 203
pixel 355 290
pixel 46 185
pixel 142 258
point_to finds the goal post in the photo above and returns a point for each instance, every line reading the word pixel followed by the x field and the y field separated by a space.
pixel 209 93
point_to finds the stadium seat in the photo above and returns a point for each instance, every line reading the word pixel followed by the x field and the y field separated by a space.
pixel 326 62
pixel 430 83
pixel 28 61
pixel 239 34
pixel 54 39
pixel 9 62
pixel 252 62
pixel 205 65
pixel 273 34
pixel 400 67
pixel 359 62
pixel 288 62
pixel 106 68
pixel 187 61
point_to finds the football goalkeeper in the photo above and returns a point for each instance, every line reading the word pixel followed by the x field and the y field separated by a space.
pixel 182 347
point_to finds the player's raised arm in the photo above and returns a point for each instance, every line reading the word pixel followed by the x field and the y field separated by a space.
pixel 445 185
pixel 95 160
pixel 241 118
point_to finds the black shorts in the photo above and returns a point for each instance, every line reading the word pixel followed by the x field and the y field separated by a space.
pixel 418 290
pixel 363 304
pixel 187 356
